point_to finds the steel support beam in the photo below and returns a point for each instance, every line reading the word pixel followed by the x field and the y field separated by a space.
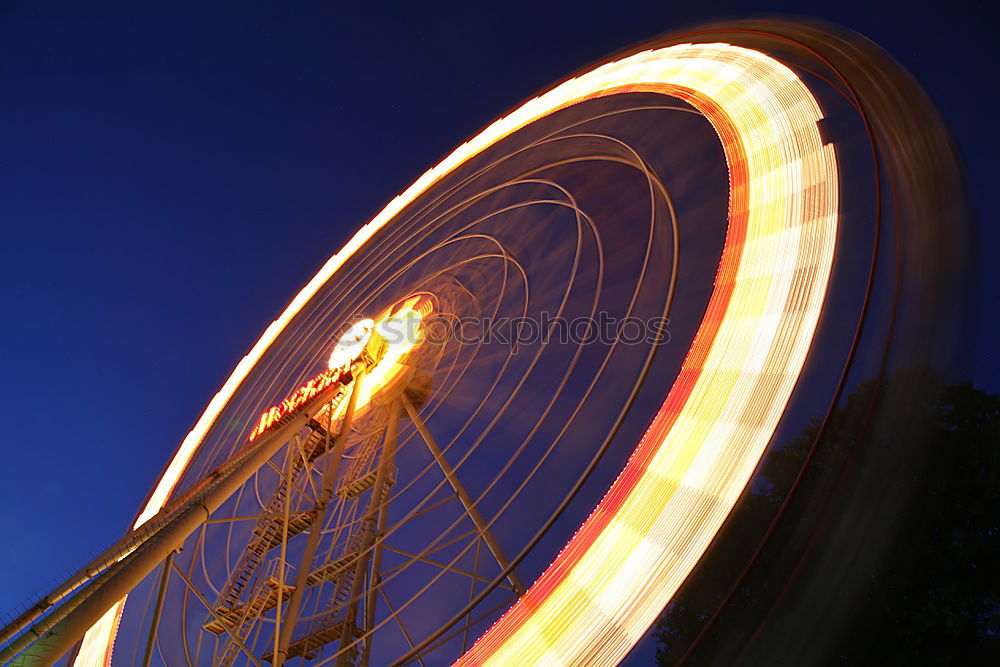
pixel 374 508
pixel 444 566
pixel 375 578
pixel 463 496
pixel 295 444
pixel 211 610
pixel 330 473
pixel 61 629
pixel 158 609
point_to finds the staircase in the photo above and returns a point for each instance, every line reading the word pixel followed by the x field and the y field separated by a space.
pixel 267 533
pixel 230 613
pixel 264 601
pixel 353 488
pixel 239 621
pixel 359 477
pixel 309 645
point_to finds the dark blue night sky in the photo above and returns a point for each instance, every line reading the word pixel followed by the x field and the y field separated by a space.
pixel 172 173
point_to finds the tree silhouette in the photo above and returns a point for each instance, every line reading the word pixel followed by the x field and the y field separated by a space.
pixel 934 597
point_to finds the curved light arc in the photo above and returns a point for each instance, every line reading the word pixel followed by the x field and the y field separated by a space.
pixel 701 448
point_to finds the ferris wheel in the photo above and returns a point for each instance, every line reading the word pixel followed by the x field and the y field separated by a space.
pixel 505 422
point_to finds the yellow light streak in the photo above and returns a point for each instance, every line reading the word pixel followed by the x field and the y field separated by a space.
pixel 627 560
pixel 622 566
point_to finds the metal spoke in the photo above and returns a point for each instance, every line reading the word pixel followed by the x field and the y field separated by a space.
pixel 330 471
pixel 231 519
pixel 374 509
pixel 284 541
pixel 443 501
pixel 158 609
pixel 445 566
pixel 308 467
pixel 201 598
pixel 463 496
pixel 399 622
pixel 445 545
pixel 472 593
pixel 282 474
pixel 454 633
pixel 375 578
pixel 428 552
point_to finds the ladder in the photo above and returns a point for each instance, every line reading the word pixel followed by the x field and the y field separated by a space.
pixel 268 532
pixel 343 568
pixel 238 622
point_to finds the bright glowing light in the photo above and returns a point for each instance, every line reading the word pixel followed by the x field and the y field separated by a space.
pixel 402 333
pixel 345 352
pixel 627 560
pixel 297 399
pixel 351 345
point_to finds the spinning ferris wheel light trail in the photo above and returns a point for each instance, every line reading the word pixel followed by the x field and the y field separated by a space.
pixel 288 524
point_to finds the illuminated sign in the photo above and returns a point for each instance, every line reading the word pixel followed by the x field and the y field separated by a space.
pixel 296 400
pixel 346 352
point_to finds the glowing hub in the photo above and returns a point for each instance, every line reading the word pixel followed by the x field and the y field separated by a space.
pixel 402 332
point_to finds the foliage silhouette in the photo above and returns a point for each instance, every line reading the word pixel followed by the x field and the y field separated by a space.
pixel 934 595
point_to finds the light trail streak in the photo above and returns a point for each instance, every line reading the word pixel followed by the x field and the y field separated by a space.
pixel 627 560
pixel 688 470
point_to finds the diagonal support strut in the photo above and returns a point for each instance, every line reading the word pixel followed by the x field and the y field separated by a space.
pixel 463 496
